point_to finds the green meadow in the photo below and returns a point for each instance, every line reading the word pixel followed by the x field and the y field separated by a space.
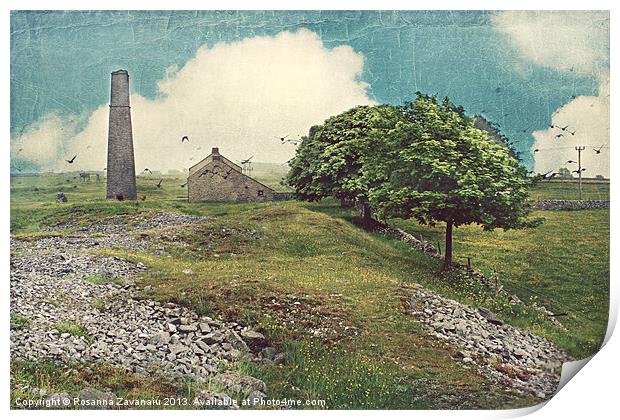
pixel 330 294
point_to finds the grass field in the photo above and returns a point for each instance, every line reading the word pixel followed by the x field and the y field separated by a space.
pixel 346 283
pixel 563 190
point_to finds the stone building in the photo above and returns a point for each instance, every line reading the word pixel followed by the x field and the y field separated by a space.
pixel 216 178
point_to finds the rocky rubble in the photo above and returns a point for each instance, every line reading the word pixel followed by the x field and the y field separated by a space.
pixel 406 237
pixel 85 308
pixel 505 354
pixel 121 224
pixel 570 204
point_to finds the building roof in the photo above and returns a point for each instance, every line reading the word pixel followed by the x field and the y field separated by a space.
pixel 216 152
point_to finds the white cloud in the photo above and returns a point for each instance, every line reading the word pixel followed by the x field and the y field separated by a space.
pixel 238 96
pixel 566 41
pixel 42 141
pixel 562 40
pixel 588 118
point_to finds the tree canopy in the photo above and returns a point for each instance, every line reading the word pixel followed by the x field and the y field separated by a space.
pixel 438 167
pixel 424 160
pixel 329 160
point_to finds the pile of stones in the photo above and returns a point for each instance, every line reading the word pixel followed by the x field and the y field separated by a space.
pixel 73 307
pixel 122 224
pixel 505 354
pixel 406 237
pixel 570 204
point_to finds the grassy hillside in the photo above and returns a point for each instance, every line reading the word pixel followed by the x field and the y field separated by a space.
pixel 330 293
pixel 563 265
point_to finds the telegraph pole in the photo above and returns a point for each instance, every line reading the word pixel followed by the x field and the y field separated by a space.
pixel 579 149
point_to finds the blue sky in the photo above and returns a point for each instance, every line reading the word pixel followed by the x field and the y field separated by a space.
pixel 61 61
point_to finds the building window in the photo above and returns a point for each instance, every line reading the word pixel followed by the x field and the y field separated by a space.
pixel 260 193
pixel 215 157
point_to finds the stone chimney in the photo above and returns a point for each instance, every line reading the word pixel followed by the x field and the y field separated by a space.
pixel 215 151
pixel 121 181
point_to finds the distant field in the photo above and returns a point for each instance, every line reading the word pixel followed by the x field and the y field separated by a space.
pixel 43 188
pixel 569 190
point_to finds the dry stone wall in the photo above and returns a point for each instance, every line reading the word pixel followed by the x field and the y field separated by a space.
pixel 571 204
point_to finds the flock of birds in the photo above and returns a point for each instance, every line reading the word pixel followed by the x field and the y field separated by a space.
pixel 551 174
pixel 286 139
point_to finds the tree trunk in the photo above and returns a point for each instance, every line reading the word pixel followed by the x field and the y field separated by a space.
pixel 447 262
pixel 366 215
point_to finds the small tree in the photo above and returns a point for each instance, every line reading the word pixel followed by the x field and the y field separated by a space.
pixel 564 173
pixel 438 167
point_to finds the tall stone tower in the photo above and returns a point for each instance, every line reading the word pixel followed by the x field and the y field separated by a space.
pixel 121 180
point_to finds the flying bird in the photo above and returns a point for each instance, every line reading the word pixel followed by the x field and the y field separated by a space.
pixel 183 186
pixel 148 170
pixel 536 150
pixel 563 128
pixel 579 170
pixel 559 135
pixel 282 138
pixel 159 183
pixel 71 160
pixel 570 161
pixel 572 133
pixel 244 161
pixel 544 176
pixel 551 176
pixel 598 151
pixel 185 138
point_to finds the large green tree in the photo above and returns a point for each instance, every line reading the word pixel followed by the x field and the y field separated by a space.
pixel 438 168
pixel 329 160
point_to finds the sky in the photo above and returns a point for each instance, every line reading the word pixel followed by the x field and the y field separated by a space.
pixel 241 80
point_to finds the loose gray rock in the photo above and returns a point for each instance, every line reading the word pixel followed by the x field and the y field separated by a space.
pixel 239 384
pixel 111 321
pixel 252 335
pixel 236 342
pixel 503 353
